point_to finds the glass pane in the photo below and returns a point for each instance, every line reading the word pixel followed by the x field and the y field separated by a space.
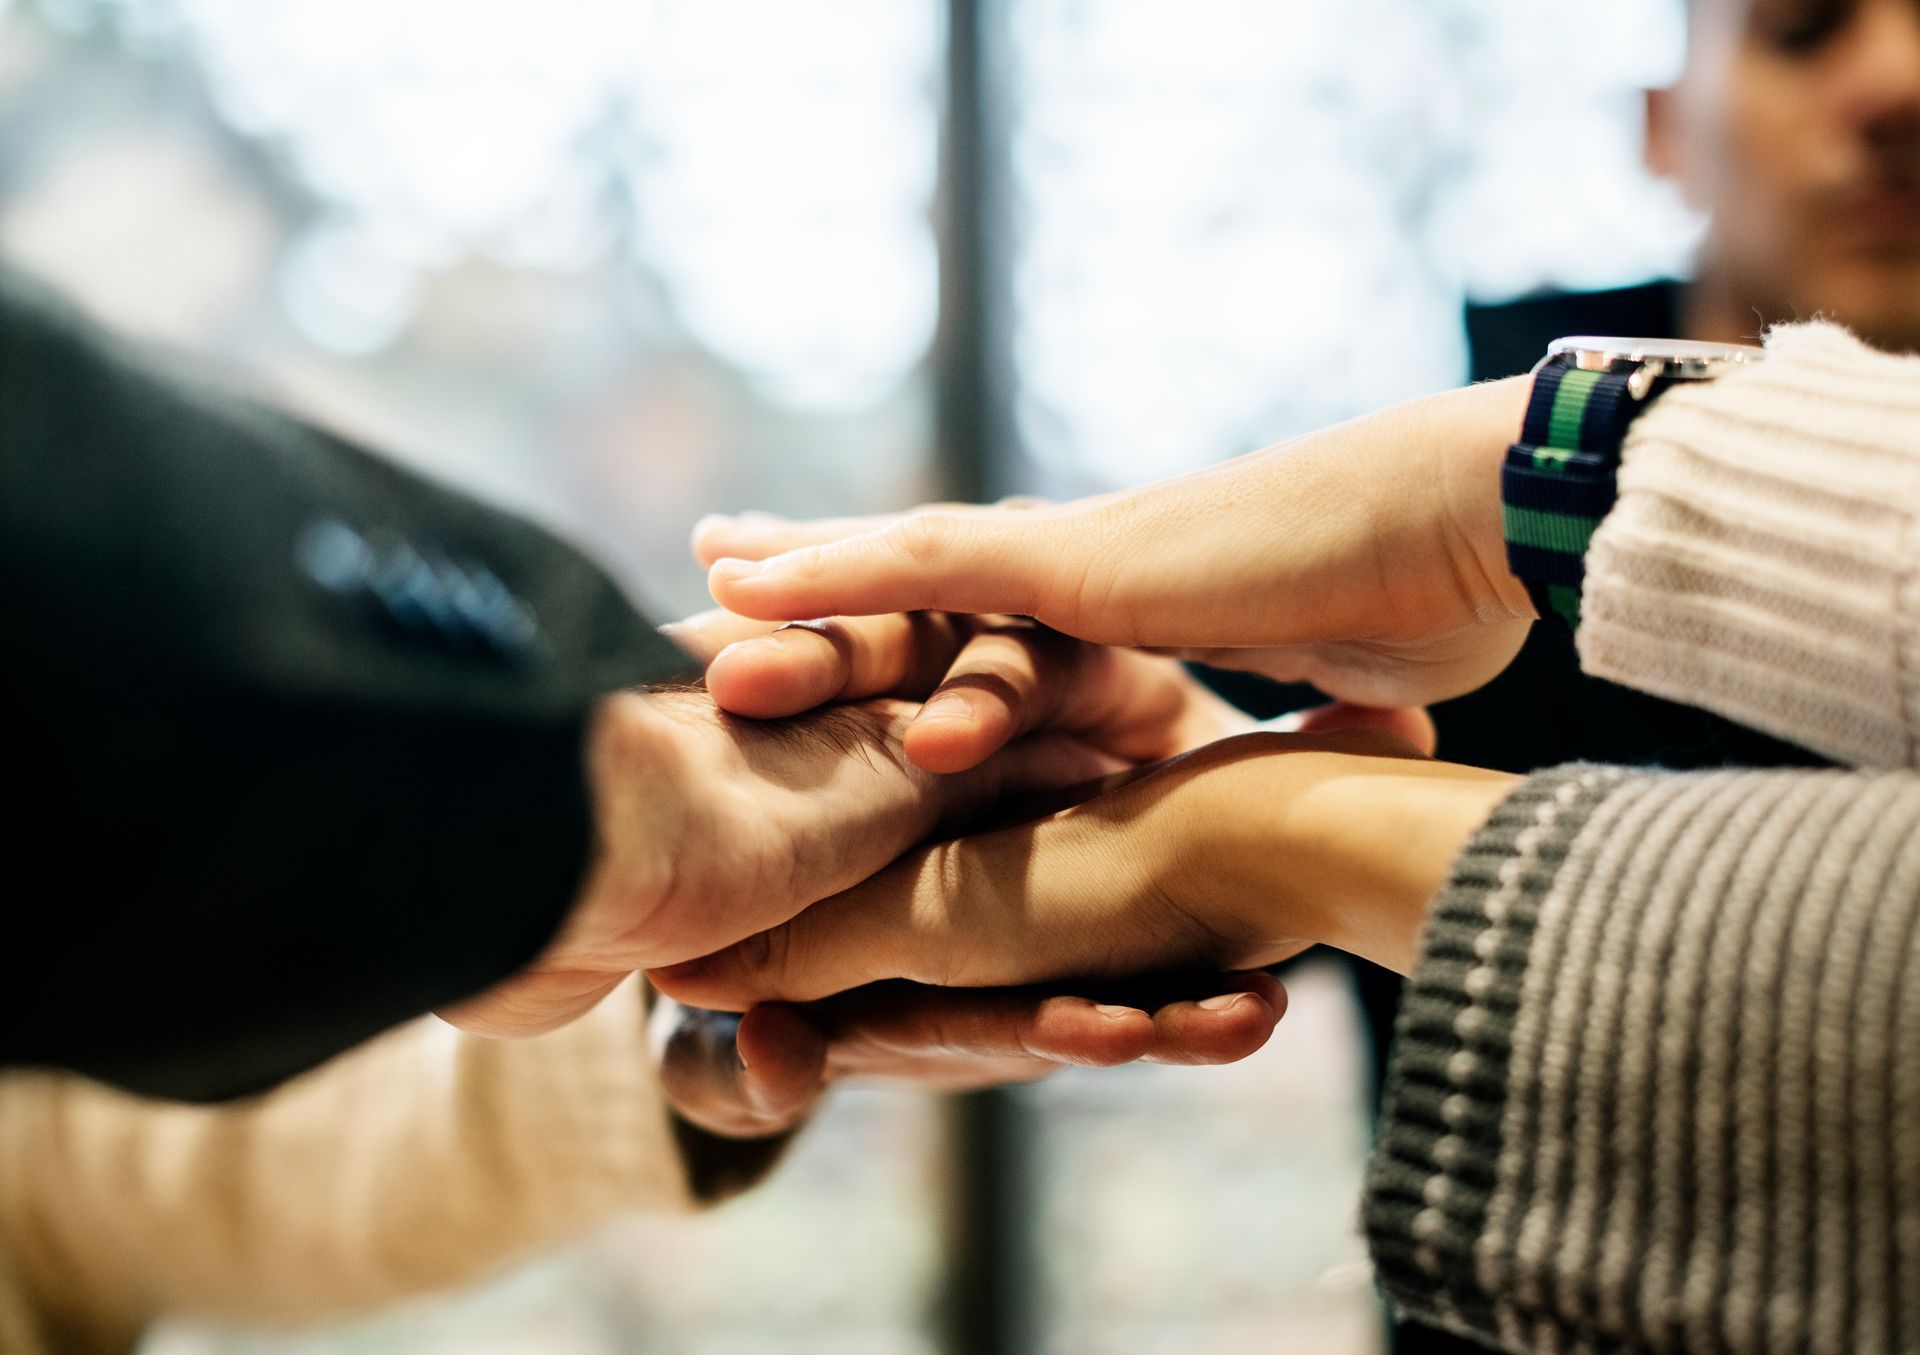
pixel 1234 223
pixel 621 262
pixel 1206 1209
pixel 599 258
pixel 1243 221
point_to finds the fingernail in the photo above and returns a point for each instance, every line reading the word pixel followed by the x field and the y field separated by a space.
pixel 1225 1002
pixel 1113 1013
pixel 947 706
pixel 712 520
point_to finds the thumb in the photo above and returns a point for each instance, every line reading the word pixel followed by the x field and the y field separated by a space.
pixel 739 1076
pixel 996 561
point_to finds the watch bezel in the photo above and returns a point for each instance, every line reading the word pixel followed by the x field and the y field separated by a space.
pixel 1646 362
pixel 1677 359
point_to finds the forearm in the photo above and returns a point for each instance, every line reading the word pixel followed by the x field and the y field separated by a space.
pixel 419 1162
pixel 1656 1078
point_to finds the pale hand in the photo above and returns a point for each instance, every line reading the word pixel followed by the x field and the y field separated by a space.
pixel 1367 559
pixel 985 682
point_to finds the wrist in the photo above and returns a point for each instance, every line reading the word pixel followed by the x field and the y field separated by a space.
pixel 1396 834
pixel 1480 423
pixel 1340 840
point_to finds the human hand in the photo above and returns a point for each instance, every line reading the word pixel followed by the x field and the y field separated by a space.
pixel 709 828
pixel 985 682
pixel 760 1074
pixel 1367 559
pixel 1233 857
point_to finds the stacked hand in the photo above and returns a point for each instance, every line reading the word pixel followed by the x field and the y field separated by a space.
pixel 713 828
pixel 1367 560
pixel 758 1074
pixel 1123 821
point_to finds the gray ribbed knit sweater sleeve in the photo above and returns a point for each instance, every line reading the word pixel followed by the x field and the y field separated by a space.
pixel 1656 1084
pixel 1657 1080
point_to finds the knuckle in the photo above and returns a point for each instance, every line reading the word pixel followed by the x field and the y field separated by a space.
pixel 924 537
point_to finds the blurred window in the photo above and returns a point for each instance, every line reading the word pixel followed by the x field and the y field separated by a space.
pixel 622 262
pixel 1243 220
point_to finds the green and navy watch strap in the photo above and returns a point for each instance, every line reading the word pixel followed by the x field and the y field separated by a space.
pixel 1559 479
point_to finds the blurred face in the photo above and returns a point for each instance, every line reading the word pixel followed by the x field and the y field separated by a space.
pixel 1796 124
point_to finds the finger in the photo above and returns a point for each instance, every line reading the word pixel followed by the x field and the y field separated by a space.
pixel 1224 1028
pixel 798 667
pixel 1015 677
pixel 1008 680
pixel 705 634
pixel 784 1055
pixel 755 536
pixel 1409 723
pixel 955 1039
pixel 897 1021
pixel 1007 560
pixel 740 1076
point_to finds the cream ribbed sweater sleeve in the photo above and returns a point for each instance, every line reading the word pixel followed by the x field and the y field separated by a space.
pixel 1763 560
pixel 419 1161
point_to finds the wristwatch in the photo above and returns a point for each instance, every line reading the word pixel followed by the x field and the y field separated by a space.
pixel 1559 478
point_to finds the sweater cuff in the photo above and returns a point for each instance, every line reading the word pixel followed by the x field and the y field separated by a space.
pixel 1432 1173
pixel 1759 560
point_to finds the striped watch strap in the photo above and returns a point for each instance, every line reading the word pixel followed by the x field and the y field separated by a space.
pixel 1559 479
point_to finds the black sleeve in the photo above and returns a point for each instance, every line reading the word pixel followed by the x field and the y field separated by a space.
pixel 296 735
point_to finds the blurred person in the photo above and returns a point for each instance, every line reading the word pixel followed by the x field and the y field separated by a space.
pixel 1794 127
pixel 1654 1082
pixel 431 1158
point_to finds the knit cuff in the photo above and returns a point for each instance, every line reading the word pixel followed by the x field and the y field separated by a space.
pixel 1760 561
pixel 1432 1173
pixel 1652 1085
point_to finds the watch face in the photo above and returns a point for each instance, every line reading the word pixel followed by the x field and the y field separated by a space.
pixel 1675 359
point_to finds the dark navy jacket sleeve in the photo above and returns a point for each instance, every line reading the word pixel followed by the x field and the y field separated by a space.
pixel 296 735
